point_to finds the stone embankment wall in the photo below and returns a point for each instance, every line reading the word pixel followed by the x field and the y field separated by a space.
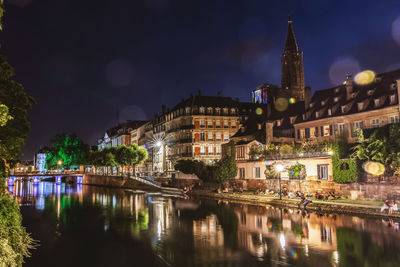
pixel 114 181
pixel 377 190
pixel 178 182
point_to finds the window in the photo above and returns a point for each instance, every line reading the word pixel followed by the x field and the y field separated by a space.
pixel 202 138
pixel 307 132
pixel 327 130
pixel 394 119
pixel 202 109
pixel 226 136
pixel 218 150
pixel 202 124
pixel 336 99
pixel 187 110
pixel 226 124
pixel 210 136
pixel 392 99
pixel 225 111
pixel 218 124
pixel 259 222
pixel 292 120
pixel 257 172
pixel 210 150
pixel 233 111
pixel 316 132
pixel 209 124
pixel 233 124
pixel 329 111
pixel 322 171
pixel 355 126
pixel 240 152
pixel 360 106
pixel 210 111
pixel 218 136
pixel 217 111
pixel 343 109
pixel 376 101
pixel 241 173
pixel 316 114
pixel 202 150
pixel 375 123
pixel 342 128
pixel 302 133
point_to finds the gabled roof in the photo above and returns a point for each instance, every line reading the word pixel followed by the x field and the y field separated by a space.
pixel 333 101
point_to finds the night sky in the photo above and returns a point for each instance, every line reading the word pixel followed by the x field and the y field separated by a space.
pixel 91 63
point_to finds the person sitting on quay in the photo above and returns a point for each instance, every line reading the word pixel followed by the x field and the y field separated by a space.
pixel 386 205
pixel 392 207
pixel 304 201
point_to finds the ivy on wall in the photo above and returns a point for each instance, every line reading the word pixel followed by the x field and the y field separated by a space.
pixel 345 170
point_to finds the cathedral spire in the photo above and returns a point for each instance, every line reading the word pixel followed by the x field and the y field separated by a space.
pixel 292 66
pixel 291 44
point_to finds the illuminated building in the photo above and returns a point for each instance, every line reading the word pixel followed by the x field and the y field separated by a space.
pixel 197 127
pixel 339 111
pixel 39 162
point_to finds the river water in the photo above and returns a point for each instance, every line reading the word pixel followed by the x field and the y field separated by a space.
pixel 79 225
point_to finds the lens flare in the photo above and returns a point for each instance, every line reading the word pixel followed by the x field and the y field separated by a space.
pixel 396 30
pixel 292 100
pixel 259 111
pixel 365 77
pixel 294 254
pixel 374 168
pixel 281 104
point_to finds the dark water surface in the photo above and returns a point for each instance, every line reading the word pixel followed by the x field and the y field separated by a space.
pixel 94 226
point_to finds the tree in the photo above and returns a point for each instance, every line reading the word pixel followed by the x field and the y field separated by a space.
pixel 226 168
pixel 4 115
pixel 15 103
pixel 69 149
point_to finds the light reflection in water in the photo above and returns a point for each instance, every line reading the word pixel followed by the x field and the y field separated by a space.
pixel 218 235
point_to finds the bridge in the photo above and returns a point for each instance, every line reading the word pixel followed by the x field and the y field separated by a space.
pixel 125 181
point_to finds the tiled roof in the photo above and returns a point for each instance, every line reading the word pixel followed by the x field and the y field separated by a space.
pixel 123 128
pixel 333 102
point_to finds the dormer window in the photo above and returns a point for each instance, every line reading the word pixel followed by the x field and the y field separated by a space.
pixel 217 111
pixel 209 111
pixel 376 102
pixel 225 111
pixel 337 90
pixel 323 103
pixel 392 99
pixel 292 120
pixel 278 123
pixel 259 126
pixel 304 116
pixel 336 99
pixel 370 92
pixel 201 110
pixel 311 105
pixel 233 111
pixel 316 114
pixel 393 86
pixel 329 111
pixel 360 106
pixel 343 109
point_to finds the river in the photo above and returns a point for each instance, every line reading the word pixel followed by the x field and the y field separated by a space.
pixel 79 225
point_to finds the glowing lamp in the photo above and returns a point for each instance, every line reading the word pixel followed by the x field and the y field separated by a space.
pixel 279 167
pixel 159 144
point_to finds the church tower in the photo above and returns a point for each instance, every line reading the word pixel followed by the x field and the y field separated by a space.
pixel 292 66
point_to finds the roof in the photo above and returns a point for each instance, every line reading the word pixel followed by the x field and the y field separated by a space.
pixel 333 101
pixel 291 44
pixel 125 127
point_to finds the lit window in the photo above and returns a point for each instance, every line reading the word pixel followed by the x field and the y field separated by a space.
pixel 329 111
pixel 218 124
pixel 202 137
pixel 218 136
pixel 336 99
pixel 376 101
pixel 226 136
pixel 217 111
pixel 225 110
pixel 209 110
pixel 233 124
pixel 326 130
pixel 316 114
pixel 210 136
pixel 202 150
pixel 218 150
pixel 211 150
pixel 202 123
pixel 360 106
pixel 226 124
pixel 202 109
pixel 233 112
pixel 209 124
pixel 392 99
pixel 322 171
pixel 257 172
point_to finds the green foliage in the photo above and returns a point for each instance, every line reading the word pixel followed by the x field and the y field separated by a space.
pixel 223 170
pixel 382 145
pixel 255 152
pixel 297 170
pixel 15 242
pixel 226 168
pixel 345 170
pixel 286 149
pixel 4 115
pixel 18 103
pixel 69 149
pixel 118 156
pixel 270 172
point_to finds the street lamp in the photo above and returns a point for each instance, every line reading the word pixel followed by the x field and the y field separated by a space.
pixel 279 168
pixel 59 163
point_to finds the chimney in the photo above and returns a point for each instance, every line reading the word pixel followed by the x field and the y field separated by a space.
pixel 163 108
pixel 199 92
pixel 349 86
pixel 307 97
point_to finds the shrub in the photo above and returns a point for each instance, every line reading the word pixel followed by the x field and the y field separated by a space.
pixel 340 174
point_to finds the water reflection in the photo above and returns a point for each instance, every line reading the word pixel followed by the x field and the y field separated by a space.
pixel 116 228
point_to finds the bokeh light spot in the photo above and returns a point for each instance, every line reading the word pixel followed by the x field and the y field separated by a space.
pixel 341 67
pixel 374 168
pixel 396 31
pixel 281 104
pixel 292 100
pixel 365 77
pixel 259 111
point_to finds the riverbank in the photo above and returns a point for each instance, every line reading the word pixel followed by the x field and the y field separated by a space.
pixel 341 206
